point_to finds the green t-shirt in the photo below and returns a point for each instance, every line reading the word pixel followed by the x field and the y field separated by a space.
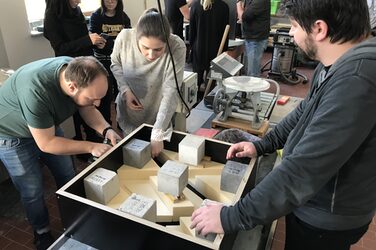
pixel 32 96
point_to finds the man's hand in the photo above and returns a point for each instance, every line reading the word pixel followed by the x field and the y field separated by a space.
pixel 113 136
pixel 241 149
pixel 207 219
pixel 98 149
pixel 131 101
pixel 156 148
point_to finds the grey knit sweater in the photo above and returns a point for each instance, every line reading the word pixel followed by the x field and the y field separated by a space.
pixel 152 82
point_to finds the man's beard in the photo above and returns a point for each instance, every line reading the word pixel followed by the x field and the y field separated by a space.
pixel 310 49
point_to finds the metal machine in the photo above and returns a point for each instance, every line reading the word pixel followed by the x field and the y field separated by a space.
pixel 283 59
pixel 189 93
pixel 240 96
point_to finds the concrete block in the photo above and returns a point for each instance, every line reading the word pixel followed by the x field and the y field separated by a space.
pixel 192 149
pixel 101 185
pixel 231 176
pixel 172 178
pixel 136 153
pixel 140 206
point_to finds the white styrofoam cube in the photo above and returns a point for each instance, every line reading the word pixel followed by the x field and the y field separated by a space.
pixel 137 153
pixel 192 149
pixel 101 185
pixel 231 176
pixel 140 206
pixel 172 178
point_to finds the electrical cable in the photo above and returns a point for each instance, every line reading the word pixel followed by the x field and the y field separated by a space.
pixel 285 76
pixel 266 64
pixel 172 58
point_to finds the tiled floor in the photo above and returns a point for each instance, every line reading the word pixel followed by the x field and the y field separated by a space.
pixel 15 232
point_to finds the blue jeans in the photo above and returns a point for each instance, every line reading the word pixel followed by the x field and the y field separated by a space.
pixel 254 50
pixel 22 158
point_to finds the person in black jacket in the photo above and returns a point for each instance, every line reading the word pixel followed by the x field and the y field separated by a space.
pixel 325 184
pixel 108 21
pixel 207 23
pixel 66 29
pixel 176 12
pixel 255 23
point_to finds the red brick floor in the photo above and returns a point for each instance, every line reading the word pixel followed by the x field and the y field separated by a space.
pixel 16 233
pixel 367 242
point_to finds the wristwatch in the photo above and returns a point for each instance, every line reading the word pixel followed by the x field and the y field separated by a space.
pixel 105 131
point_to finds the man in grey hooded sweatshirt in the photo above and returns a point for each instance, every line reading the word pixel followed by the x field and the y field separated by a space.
pixel 326 182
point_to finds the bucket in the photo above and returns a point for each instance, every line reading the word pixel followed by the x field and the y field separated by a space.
pixel 274 5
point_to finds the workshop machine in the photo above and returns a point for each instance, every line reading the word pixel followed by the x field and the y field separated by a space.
pixel 283 58
pixel 241 97
pixel 189 93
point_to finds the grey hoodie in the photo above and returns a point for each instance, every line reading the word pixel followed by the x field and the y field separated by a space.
pixel 327 176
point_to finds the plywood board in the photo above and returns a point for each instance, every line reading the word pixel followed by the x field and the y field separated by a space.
pixel 126 172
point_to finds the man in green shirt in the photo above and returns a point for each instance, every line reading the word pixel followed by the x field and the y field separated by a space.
pixel 34 101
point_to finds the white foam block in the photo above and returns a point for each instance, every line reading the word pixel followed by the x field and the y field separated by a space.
pixel 172 178
pixel 101 185
pixel 140 206
pixel 192 149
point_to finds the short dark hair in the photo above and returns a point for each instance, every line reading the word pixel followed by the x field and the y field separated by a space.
pixel 347 20
pixel 150 25
pixel 83 70
pixel 119 8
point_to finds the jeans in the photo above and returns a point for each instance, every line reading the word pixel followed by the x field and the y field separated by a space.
pixel 254 51
pixel 22 158
pixel 300 235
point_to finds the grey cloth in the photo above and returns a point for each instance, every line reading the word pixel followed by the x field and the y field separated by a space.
pixel 234 135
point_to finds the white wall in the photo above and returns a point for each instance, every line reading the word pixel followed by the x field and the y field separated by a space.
pixel 20 46
pixel 134 8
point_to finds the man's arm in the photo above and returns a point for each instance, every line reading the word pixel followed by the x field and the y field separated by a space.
pixel 94 119
pixel 240 9
pixel 48 142
pixel 185 11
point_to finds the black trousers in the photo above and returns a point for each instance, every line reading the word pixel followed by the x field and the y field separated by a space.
pixel 302 236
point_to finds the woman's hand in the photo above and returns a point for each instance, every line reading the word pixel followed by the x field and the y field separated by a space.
pixel 97 40
pixel 156 148
pixel 132 101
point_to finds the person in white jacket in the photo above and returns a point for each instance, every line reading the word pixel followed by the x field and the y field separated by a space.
pixel 143 70
pixel 372 13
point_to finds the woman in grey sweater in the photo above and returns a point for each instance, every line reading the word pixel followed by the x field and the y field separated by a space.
pixel 143 70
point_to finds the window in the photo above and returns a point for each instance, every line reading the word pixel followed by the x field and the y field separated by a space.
pixel 35 11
